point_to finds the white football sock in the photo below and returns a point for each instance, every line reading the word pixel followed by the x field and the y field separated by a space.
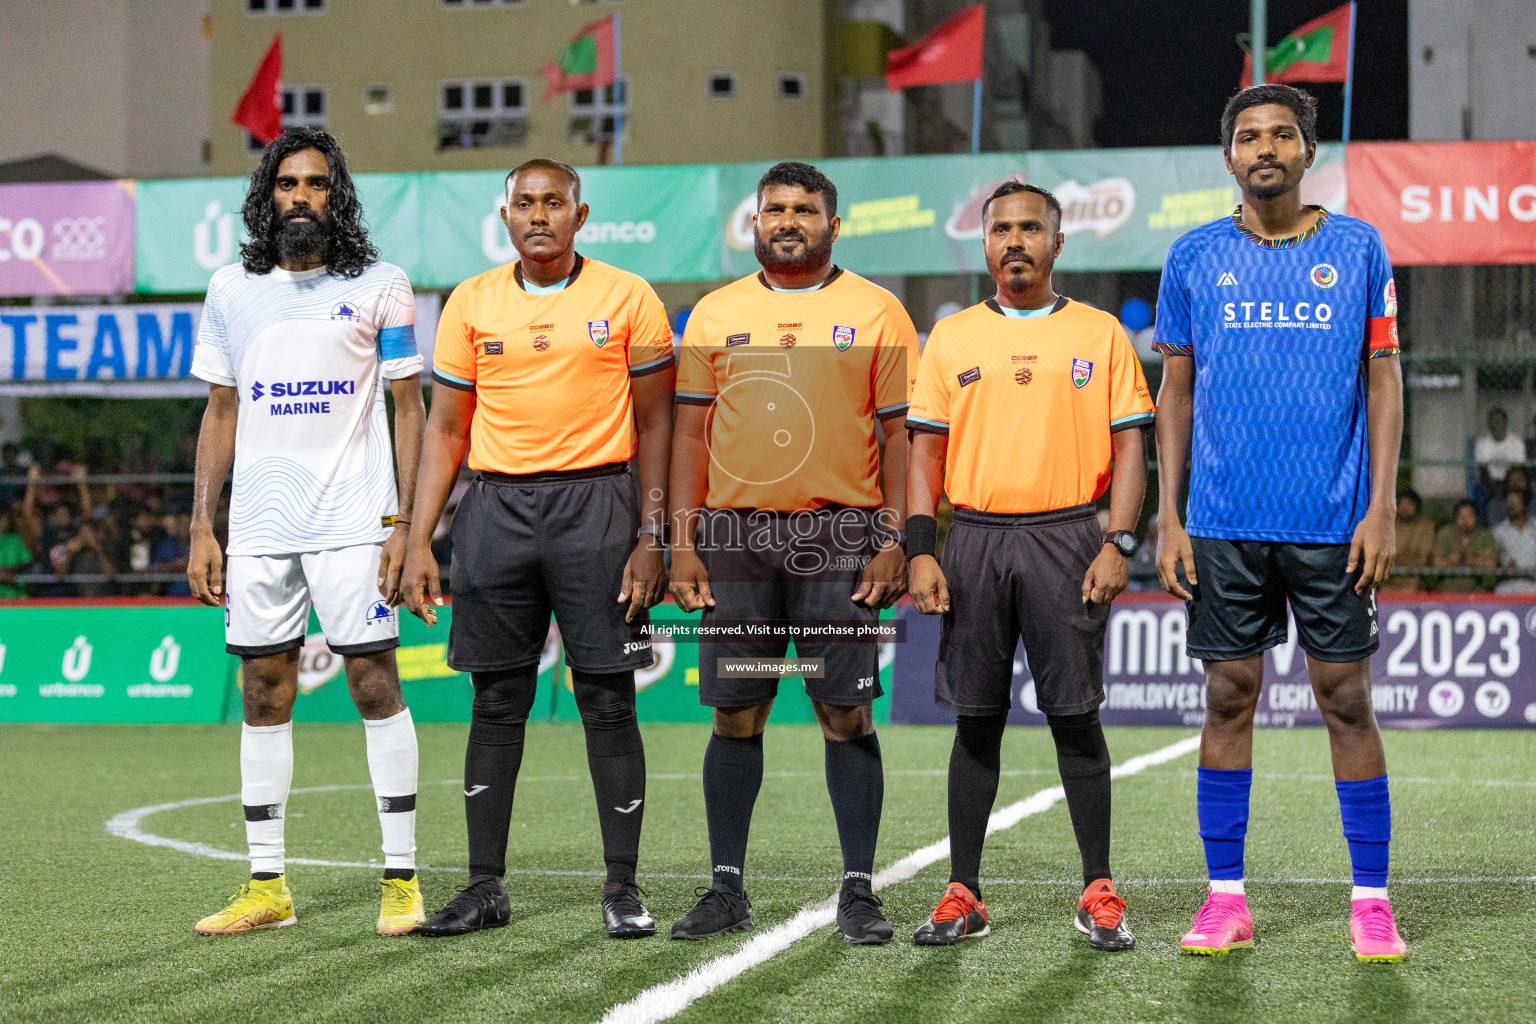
pixel 1368 892
pixel 1231 886
pixel 392 766
pixel 266 772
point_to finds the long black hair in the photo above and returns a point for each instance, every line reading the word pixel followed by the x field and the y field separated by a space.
pixel 349 251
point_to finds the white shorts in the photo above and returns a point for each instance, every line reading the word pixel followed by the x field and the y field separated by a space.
pixel 267 599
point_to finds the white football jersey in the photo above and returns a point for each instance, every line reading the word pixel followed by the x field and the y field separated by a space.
pixel 308 352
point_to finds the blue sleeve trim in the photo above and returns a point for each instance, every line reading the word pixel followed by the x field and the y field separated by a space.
pixel 927 426
pixel 452 381
pixel 892 410
pixel 691 398
pixel 1140 419
pixel 653 366
pixel 397 342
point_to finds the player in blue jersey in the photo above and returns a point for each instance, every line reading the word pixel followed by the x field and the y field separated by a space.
pixel 1283 394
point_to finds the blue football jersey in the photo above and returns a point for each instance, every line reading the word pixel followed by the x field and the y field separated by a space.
pixel 1279 330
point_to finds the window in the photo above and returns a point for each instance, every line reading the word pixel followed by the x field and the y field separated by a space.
pixel 721 85
pixel 792 87
pixel 302 105
pixel 595 113
pixel 378 98
pixel 285 6
pixel 482 112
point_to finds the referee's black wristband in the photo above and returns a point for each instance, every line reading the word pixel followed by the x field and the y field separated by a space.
pixel 922 535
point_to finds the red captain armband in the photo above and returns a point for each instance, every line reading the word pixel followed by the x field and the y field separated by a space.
pixel 1381 337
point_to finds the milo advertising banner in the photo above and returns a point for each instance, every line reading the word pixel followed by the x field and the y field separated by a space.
pixel 1443 663
pixel 1121 208
pixel 898 213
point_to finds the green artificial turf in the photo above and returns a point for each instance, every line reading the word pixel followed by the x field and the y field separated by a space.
pixel 98 928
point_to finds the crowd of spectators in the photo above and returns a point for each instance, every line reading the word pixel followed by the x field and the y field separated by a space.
pixel 88 538
pixel 83 539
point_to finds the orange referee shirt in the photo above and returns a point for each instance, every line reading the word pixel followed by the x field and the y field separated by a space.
pixel 1028 404
pixel 797 382
pixel 551 371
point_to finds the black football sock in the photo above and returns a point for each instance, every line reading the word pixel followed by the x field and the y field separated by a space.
pixel 265 876
pixel 400 874
pixel 733 775
pixel 1083 759
pixel 498 719
pixel 974 766
pixel 856 783
pixel 616 759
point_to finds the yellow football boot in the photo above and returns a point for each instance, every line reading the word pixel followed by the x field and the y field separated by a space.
pixel 401 910
pixel 258 905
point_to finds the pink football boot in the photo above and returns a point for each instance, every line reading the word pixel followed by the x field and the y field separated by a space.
pixel 1221 925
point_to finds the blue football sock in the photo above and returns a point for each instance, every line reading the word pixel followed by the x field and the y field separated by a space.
pixel 1221 802
pixel 1366 807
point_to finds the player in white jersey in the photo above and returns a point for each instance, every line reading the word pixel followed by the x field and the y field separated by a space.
pixel 295 343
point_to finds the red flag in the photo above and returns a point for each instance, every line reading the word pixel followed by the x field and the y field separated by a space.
pixel 587 62
pixel 950 53
pixel 1316 52
pixel 261 108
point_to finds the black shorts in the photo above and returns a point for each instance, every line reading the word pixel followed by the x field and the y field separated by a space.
pixel 526 546
pixel 770 566
pixel 1013 577
pixel 1239 606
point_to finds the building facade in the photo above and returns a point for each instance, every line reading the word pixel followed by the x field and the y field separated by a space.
pixel 415 85
pixel 119 86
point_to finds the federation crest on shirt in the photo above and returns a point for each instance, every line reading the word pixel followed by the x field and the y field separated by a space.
pixel 1082 373
pixel 597 330
pixel 842 338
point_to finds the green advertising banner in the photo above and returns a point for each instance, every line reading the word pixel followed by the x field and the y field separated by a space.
pixel 166 663
pixel 186 229
pixel 658 222
pixel 124 663
pixel 895 212
pixel 912 215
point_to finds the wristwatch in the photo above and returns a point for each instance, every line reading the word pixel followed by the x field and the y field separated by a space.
pixel 1123 540
pixel 652 530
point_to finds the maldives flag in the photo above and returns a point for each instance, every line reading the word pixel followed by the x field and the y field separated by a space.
pixel 586 64
pixel 261 108
pixel 950 53
pixel 1316 52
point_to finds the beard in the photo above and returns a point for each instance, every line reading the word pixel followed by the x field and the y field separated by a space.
pixel 1016 284
pixel 300 241
pixel 818 255
pixel 1273 189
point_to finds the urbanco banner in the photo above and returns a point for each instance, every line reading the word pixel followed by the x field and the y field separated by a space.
pixel 188 228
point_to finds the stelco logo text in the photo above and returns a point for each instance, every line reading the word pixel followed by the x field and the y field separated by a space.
pixel 1310 314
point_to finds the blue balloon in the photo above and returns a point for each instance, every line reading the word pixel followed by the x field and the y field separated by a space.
pixel 1136 314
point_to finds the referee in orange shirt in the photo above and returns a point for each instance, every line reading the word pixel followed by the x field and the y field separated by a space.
pixel 1022 404
pixel 784 379
pixel 553 372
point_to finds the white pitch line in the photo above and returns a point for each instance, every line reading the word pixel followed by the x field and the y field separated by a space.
pixel 662 1002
